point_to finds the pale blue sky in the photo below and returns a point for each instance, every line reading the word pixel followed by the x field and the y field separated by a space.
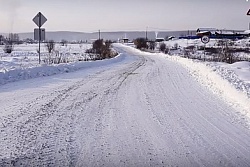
pixel 118 15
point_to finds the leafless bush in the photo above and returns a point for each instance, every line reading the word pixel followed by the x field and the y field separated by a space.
pixel 167 50
pixel 101 50
pixel 152 45
pixel 176 45
pixel 226 54
pixel 141 43
pixel 55 58
pixel 50 45
pixel 64 42
pixel 162 47
pixel 9 46
pixel 14 38
pixel 1 39
pixel 187 53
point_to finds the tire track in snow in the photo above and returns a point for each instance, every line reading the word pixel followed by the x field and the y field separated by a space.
pixel 28 125
pixel 39 127
pixel 147 113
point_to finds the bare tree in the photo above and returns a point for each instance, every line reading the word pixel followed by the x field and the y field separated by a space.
pixel 101 50
pixel 14 38
pixel 167 50
pixel 176 45
pixel 64 42
pixel 141 43
pixel 162 47
pixel 226 54
pixel 152 45
pixel 50 45
pixel 1 40
pixel 9 46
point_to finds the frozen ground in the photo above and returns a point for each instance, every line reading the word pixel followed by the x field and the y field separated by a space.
pixel 25 55
pixel 141 110
pixel 196 43
pixel 22 63
pixel 237 74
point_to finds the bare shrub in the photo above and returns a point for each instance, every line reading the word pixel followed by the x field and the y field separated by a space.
pixel 226 54
pixel 141 43
pixel 50 45
pixel 162 47
pixel 176 46
pixel 64 42
pixel 152 45
pixel 101 50
pixel 1 39
pixel 167 50
pixel 9 46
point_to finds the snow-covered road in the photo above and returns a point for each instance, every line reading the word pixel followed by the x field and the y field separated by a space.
pixel 147 111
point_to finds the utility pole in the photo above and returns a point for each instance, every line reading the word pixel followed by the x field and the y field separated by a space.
pixel 146 33
pixel 99 34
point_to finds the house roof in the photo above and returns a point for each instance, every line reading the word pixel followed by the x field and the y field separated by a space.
pixel 206 29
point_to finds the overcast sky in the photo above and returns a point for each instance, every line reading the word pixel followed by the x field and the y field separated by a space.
pixel 118 15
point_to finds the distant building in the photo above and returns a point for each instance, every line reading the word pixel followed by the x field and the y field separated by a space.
pixel 171 38
pixel 221 33
pixel 125 40
pixel 159 39
pixel 206 31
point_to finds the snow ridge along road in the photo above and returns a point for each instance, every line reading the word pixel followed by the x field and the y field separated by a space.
pixel 145 111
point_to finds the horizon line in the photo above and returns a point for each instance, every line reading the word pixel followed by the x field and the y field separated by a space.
pixel 98 32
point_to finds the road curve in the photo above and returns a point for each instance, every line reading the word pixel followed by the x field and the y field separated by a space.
pixel 147 112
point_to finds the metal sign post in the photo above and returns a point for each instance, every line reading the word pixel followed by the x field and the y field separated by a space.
pixel 39 20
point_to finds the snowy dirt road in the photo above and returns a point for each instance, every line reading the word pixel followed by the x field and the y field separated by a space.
pixel 145 112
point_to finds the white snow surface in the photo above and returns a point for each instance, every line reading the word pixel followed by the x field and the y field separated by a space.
pixel 138 109
pixel 16 74
pixel 233 88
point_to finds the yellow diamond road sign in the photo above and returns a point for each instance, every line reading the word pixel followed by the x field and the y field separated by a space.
pixel 39 19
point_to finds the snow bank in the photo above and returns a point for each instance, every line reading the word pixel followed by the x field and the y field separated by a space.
pixel 220 81
pixel 238 74
pixel 230 82
pixel 48 70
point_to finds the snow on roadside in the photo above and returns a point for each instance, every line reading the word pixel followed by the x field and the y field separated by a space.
pixel 220 80
pixel 230 82
pixel 48 70
pixel 238 74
